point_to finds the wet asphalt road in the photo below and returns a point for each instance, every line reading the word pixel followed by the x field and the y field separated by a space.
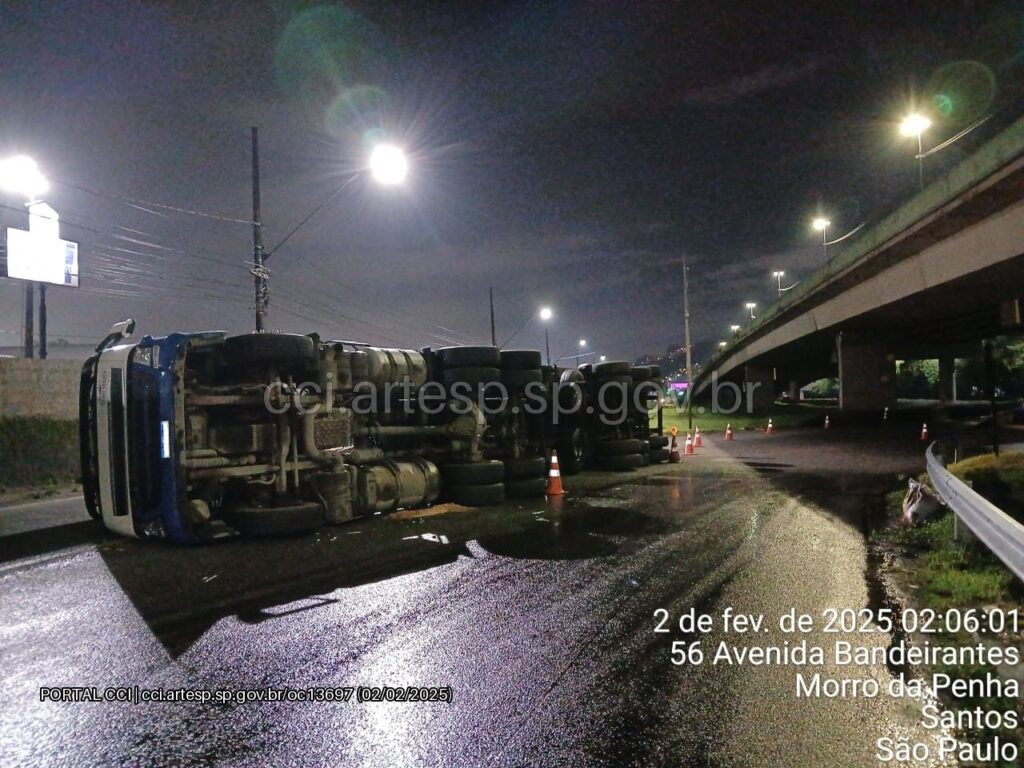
pixel 538 615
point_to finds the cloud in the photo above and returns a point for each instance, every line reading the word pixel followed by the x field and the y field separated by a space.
pixel 765 79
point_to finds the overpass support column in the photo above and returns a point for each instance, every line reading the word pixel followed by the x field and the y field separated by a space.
pixel 867 374
pixel 759 388
pixel 947 379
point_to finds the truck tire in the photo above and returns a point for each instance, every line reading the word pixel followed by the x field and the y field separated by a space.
pixel 520 359
pixel 657 441
pixel 285 350
pixel 658 455
pixel 571 376
pixel 469 357
pixel 522 469
pixel 515 379
pixel 619 447
pixel 613 368
pixel 571 453
pixel 476 495
pixel 475 473
pixel 276 521
pixel 525 488
pixel 475 377
pixel 623 463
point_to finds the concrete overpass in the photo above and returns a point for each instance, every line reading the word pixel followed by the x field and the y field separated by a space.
pixel 930 280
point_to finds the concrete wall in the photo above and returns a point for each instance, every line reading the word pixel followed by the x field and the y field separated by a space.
pixel 39 387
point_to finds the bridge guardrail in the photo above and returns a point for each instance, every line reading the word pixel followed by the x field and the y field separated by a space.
pixel 1003 535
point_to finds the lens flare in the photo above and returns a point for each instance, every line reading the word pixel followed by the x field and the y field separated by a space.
pixel 963 91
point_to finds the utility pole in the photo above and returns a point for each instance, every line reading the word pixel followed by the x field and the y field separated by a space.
pixel 547 345
pixel 42 321
pixel 494 339
pixel 686 329
pixel 260 290
pixel 29 320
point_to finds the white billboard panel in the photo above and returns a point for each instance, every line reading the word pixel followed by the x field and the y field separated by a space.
pixel 42 258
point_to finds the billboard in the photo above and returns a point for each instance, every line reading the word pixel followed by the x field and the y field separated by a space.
pixel 38 254
pixel 41 259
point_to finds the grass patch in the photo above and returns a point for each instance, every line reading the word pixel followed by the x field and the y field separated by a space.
pixel 38 452
pixel 1000 479
pixel 782 416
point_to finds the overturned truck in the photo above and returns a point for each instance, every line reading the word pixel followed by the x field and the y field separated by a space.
pixel 195 436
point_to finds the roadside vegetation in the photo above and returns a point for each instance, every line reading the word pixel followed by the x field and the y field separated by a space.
pixel 38 452
pixel 932 570
pixel 783 415
pixel 1000 479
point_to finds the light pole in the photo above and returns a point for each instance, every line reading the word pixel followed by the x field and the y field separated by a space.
pixel 915 124
pixel 750 305
pixel 21 176
pixel 735 330
pixel 723 344
pixel 387 164
pixel 777 274
pixel 821 224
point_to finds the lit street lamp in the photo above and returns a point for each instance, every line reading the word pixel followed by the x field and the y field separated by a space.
pixel 388 164
pixel 735 330
pixel 915 124
pixel 544 314
pixel 723 344
pixel 821 224
pixel 602 358
pixel 19 175
pixel 777 274
pixel 750 306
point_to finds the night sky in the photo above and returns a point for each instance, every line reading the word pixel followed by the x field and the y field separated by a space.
pixel 568 153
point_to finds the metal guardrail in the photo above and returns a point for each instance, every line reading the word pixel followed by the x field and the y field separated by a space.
pixel 1003 535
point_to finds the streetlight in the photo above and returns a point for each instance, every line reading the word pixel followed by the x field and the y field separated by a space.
pixel 583 343
pixel 19 175
pixel 603 358
pixel 750 305
pixel 777 274
pixel 915 124
pixel 388 164
pixel 545 315
pixel 723 344
pixel 821 224
pixel 735 330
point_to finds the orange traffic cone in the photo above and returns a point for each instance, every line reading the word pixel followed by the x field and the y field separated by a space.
pixel 697 442
pixel 827 424
pixel 673 455
pixel 770 428
pixel 689 445
pixel 728 431
pixel 554 477
pixel 924 432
